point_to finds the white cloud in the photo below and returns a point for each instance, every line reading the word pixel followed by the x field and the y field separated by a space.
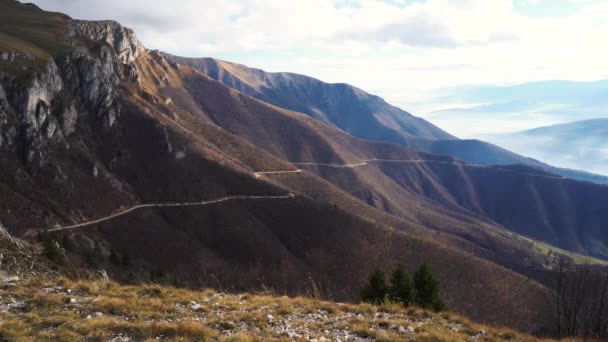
pixel 404 53
pixel 277 24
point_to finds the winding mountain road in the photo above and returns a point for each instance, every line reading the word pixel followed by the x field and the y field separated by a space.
pixel 367 161
pixel 259 174
pixel 167 205
pixel 419 161
pixel 349 166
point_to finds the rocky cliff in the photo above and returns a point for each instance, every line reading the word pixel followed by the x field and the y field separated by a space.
pixel 80 83
pixel 122 39
pixel 112 128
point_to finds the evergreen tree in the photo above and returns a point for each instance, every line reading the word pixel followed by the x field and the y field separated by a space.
pixel 402 288
pixel 376 290
pixel 427 289
pixel 51 248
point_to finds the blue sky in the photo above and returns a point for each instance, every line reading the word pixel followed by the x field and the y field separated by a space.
pixel 416 54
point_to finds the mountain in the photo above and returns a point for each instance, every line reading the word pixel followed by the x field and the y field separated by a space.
pixel 517 197
pixel 360 114
pixel 483 153
pixel 98 131
pixel 582 144
pixel 351 109
pixel 527 105
pixel 114 151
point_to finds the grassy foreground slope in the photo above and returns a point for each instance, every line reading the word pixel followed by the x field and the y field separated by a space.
pixel 67 310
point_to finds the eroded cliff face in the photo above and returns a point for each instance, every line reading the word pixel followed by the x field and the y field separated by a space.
pixel 122 39
pixel 80 86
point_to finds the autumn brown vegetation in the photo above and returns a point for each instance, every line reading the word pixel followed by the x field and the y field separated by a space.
pixel 63 309
pixel 581 303
pixel 182 137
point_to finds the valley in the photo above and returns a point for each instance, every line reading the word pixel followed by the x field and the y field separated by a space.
pixel 139 167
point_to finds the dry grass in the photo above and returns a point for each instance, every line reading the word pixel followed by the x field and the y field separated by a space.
pixel 69 310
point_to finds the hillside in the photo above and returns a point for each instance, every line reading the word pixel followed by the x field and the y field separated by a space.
pixel 360 114
pixel 579 143
pixel 351 109
pixel 66 310
pixel 106 125
pixel 420 192
pixel 119 153
pixel 484 153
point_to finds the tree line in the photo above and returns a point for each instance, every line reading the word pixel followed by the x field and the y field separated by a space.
pixel 581 301
pixel 422 290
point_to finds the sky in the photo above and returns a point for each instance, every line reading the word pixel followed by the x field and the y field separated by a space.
pixel 417 54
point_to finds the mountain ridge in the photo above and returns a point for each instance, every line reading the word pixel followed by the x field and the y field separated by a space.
pixel 131 135
pixel 579 143
pixel 109 135
pixel 383 122
pixel 378 121
pixel 264 126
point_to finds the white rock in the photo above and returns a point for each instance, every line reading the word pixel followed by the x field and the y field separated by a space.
pixel 480 334
pixel 410 329
pixel 14 304
pixel 10 279
pixel 194 306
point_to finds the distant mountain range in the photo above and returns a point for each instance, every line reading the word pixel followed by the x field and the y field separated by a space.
pixel 351 109
pixel 476 111
pixel 580 144
pixel 204 173
pixel 361 114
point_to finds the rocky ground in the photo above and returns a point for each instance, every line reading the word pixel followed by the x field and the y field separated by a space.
pixel 66 310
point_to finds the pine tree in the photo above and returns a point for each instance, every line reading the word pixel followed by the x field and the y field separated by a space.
pixel 402 288
pixel 427 289
pixel 376 290
pixel 51 248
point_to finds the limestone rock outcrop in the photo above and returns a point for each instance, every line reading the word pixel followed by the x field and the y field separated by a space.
pixel 82 83
pixel 122 39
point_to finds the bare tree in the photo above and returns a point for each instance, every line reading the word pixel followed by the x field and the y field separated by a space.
pixel 581 301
